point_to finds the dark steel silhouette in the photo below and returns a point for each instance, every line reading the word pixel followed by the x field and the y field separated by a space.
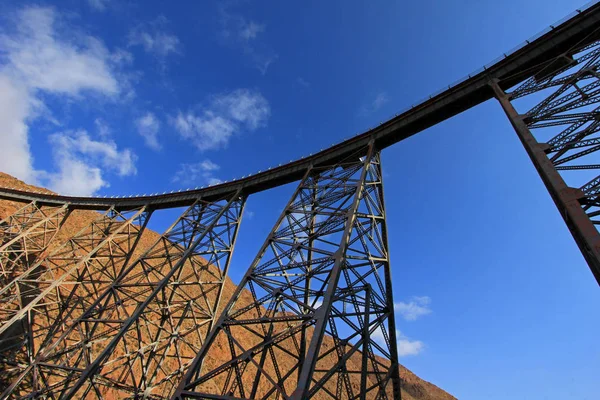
pixel 98 315
pixel 322 274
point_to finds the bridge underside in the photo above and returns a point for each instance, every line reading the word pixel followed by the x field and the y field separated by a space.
pixel 114 310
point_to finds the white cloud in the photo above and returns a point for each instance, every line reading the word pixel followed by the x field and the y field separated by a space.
pixel 243 33
pixel 102 128
pixel 36 60
pixel 15 107
pixel 198 173
pixel 207 131
pixel 81 162
pixel 379 101
pixel 302 82
pixel 154 39
pixel 318 302
pixel 98 5
pixel 410 311
pixel 121 57
pixel 406 347
pixel 104 153
pixel 262 61
pixel 38 57
pixel 148 126
pixel 227 114
pixel 76 178
pixel 415 308
pixel 249 30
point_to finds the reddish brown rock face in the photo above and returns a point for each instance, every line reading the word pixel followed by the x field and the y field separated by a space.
pixel 413 387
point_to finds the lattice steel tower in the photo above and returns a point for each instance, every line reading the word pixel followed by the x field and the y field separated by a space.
pixel 114 310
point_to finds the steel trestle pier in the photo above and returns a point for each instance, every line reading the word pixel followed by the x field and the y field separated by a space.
pixel 108 308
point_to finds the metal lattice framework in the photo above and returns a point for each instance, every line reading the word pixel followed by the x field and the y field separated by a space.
pixel 566 117
pixel 125 319
pixel 322 274
pixel 114 310
pixel 40 302
pixel 25 235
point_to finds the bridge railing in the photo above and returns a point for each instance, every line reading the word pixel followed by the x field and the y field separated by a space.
pixel 473 73
pixel 501 57
pixel 486 66
pixel 429 97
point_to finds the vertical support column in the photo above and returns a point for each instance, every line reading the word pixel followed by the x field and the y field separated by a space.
pixel 25 235
pixel 566 198
pixel 311 316
pixel 323 313
pixel 146 325
pixel 393 340
pixel 41 301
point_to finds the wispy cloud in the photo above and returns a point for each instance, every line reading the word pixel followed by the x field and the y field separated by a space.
pixel 211 127
pixel 377 103
pixel 37 60
pixel 148 126
pixel 39 57
pixel 410 311
pixel 302 82
pixel 245 33
pixel 406 346
pixel 249 30
pixel 155 39
pixel 102 128
pixel 202 172
pixel 415 308
pixel 98 5
pixel 81 163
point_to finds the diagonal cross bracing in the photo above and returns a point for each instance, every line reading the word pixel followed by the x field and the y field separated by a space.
pixel 43 299
pixel 561 132
pixel 138 336
pixel 25 234
pixel 318 293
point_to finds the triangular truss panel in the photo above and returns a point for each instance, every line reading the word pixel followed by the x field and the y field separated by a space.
pixel 312 315
pixel 42 301
pixel 137 336
pixel 561 133
pixel 24 235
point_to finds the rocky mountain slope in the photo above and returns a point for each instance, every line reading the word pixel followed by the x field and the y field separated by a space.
pixel 413 387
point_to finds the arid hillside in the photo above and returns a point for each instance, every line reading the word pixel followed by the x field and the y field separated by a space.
pixel 413 387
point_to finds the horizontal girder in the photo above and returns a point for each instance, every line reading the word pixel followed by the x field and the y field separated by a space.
pixel 509 71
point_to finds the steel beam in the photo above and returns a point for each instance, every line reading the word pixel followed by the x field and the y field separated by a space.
pixel 145 322
pixel 511 70
pixel 566 198
pixel 40 301
pixel 323 313
pixel 25 235
pixel 322 275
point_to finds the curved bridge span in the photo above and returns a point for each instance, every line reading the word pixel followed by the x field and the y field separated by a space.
pixel 508 71
pixel 116 311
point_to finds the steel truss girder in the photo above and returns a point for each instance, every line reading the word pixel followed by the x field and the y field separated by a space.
pixel 25 234
pixel 137 337
pixel 41 301
pixel 318 293
pixel 567 116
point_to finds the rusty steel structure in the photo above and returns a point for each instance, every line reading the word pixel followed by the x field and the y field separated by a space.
pixel 118 311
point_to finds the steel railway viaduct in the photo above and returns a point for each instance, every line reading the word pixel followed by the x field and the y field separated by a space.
pixel 93 316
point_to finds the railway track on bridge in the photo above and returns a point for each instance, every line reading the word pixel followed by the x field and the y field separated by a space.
pixel 509 70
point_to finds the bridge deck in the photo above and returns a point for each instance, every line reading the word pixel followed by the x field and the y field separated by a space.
pixel 510 71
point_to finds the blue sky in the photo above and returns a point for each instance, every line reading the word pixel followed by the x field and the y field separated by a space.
pixel 494 299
